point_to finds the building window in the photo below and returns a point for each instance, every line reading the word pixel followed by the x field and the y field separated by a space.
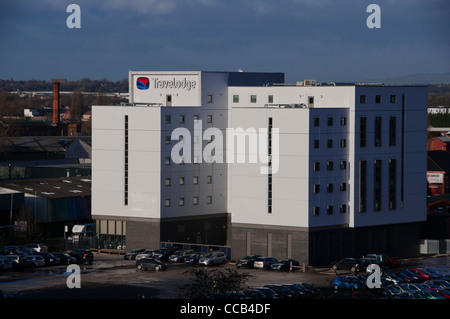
pixel 167 182
pixel 167 160
pixel 378 99
pixel 343 208
pixel 393 99
pixel 362 186
pixel 377 185
pixel 330 143
pixel 209 179
pixel 343 142
pixel 316 121
pixel 269 175
pixel 167 119
pixel 181 181
pixel 392 183
pixel 362 99
pixel 329 165
pixel 343 187
pixel 343 165
pixel 195 180
pixel 210 98
pixel 316 210
pixel 392 130
pixel 208 199
pixel 195 200
pixel 182 117
pixel 329 209
pixel 316 188
pixel 253 99
pixel 235 98
pixel 316 143
pixel 167 202
pixel 181 201
pixel 167 139
pixel 209 118
pixel 126 161
pixel 329 188
pixel 362 131
pixel 330 121
pixel 377 131
pixel 310 101
pixel 316 166
pixel 343 121
pixel 270 99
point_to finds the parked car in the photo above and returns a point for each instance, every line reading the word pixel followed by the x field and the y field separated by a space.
pixel 255 294
pixel 352 264
pixel 434 273
pixel 282 291
pixel 164 253
pixel 132 254
pixel 5 264
pixel 82 255
pixel 247 261
pixel 146 254
pixel 17 261
pixel 270 293
pixel 65 258
pixel 443 292
pixel 193 259
pixel 37 247
pixel 179 255
pixel 413 277
pixel 346 283
pixel 49 258
pixel 213 258
pixel 284 264
pixel 444 284
pixel 264 262
pixel 150 263
pixel 403 276
pixel 385 260
pixel 35 261
pixel 391 278
pixel 421 273
pixel 425 294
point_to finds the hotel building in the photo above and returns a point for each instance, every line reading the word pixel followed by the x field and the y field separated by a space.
pixel 310 171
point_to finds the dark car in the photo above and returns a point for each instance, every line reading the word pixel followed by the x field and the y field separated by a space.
pixel 150 263
pixel 282 291
pixel 255 294
pixel 164 253
pixel 132 254
pixel 49 258
pixel 270 293
pixel 193 259
pixel 247 261
pixel 421 273
pixel 352 264
pixel 82 255
pixel 65 258
pixel 285 264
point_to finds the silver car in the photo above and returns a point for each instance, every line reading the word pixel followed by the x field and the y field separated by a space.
pixel 213 258
pixel 180 255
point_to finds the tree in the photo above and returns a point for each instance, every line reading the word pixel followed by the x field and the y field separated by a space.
pixel 215 282
pixel 76 109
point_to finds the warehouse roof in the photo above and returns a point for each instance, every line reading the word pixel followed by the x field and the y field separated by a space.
pixel 76 186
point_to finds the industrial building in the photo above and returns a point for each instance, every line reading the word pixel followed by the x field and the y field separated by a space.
pixel 245 162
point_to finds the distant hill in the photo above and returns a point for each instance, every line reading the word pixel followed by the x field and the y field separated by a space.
pixel 421 78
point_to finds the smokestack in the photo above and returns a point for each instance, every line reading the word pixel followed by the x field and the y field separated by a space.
pixel 56 100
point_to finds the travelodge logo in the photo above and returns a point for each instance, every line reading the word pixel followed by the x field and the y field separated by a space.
pixel 143 83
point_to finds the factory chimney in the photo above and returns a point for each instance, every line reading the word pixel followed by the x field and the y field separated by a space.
pixel 56 100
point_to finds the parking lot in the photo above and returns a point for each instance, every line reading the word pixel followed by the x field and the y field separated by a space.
pixel 112 277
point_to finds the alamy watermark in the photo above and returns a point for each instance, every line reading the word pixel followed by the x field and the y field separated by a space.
pixel 74 19
pixel 374 19
pixel 263 146
pixel 74 279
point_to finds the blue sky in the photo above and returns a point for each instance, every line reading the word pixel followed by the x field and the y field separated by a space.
pixel 327 40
